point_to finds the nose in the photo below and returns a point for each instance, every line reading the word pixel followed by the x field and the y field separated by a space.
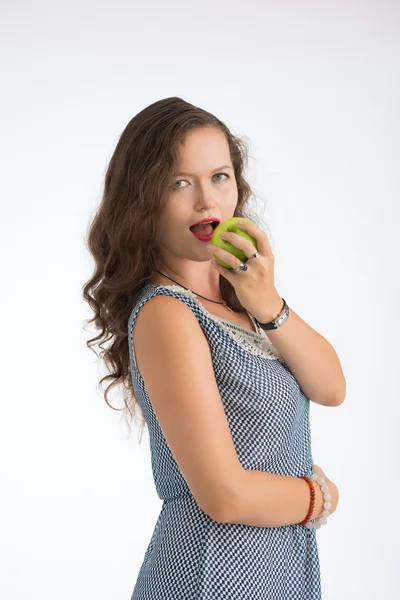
pixel 206 198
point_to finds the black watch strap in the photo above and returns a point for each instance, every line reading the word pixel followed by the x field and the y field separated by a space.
pixel 280 319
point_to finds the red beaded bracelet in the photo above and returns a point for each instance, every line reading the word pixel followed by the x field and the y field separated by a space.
pixel 312 499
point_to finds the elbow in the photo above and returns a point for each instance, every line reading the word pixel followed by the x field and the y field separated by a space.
pixel 229 509
pixel 222 516
pixel 224 506
pixel 337 398
pixel 220 512
pixel 217 516
pixel 338 401
pixel 340 396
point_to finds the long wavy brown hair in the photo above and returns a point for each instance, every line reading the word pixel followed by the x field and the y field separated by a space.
pixel 122 234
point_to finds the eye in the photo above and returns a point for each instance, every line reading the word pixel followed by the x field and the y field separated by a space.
pixel 174 186
pixel 226 175
pixel 179 186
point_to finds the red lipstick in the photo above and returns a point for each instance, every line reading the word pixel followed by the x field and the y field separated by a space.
pixel 200 234
pixel 203 238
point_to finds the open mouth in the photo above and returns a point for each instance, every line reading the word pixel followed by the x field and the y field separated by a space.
pixel 204 228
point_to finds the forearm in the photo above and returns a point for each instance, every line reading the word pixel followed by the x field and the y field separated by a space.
pixel 268 500
pixel 309 357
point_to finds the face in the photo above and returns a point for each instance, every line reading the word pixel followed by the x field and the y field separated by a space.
pixel 203 186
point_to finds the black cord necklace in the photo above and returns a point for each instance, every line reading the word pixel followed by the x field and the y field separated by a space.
pixel 215 301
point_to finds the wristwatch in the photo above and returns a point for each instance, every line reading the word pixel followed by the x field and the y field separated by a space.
pixel 280 319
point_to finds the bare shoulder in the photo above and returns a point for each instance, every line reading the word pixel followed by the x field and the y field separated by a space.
pixel 174 359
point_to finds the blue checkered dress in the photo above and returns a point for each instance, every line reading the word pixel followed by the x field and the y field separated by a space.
pixel 192 557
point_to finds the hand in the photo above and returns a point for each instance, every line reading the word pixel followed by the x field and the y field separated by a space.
pixel 333 491
pixel 255 287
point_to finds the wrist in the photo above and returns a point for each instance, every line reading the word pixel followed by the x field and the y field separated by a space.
pixel 319 501
pixel 275 307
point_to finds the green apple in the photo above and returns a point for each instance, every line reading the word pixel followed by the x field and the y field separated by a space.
pixel 230 225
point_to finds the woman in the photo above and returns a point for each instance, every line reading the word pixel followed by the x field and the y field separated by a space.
pixel 226 404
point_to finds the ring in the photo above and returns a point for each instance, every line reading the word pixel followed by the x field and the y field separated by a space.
pixel 242 266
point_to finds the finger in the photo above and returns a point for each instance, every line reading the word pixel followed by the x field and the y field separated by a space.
pixel 259 235
pixel 239 242
pixel 223 271
pixel 224 255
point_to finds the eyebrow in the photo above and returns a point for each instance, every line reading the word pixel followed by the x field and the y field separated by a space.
pixel 190 174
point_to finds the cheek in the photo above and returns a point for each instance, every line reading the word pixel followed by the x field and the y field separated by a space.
pixel 175 222
pixel 232 202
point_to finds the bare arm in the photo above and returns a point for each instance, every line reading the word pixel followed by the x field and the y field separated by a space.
pixel 269 500
pixel 174 359
pixel 310 358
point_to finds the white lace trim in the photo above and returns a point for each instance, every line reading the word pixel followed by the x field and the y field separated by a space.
pixel 255 343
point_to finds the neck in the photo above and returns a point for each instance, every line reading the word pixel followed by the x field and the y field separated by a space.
pixel 209 295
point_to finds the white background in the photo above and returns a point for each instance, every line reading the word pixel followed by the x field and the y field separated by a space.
pixel 314 87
